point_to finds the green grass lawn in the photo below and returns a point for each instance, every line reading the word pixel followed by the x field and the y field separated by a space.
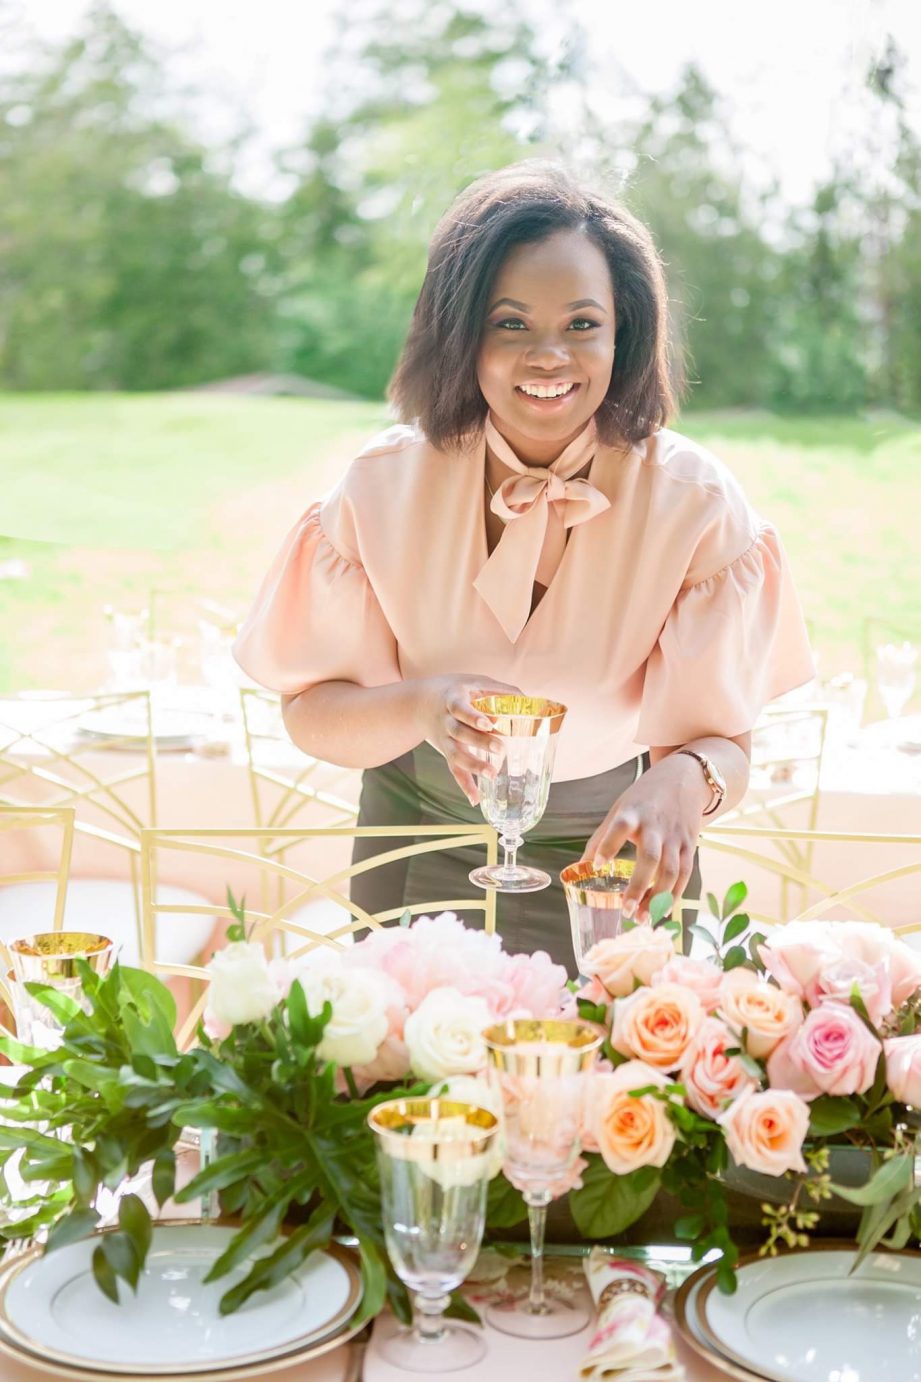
pixel 106 497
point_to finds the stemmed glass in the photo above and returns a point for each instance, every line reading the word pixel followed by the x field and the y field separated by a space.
pixel 435 1161
pixel 539 1067
pixel 595 898
pixel 895 675
pixel 515 799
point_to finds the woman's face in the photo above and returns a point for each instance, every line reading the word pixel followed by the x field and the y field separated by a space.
pixel 549 331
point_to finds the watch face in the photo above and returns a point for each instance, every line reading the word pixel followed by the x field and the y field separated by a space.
pixel 716 775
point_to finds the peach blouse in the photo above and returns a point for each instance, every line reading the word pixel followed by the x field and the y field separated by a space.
pixel 669 613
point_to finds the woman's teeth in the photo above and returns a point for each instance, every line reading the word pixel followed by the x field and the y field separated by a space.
pixel 546 390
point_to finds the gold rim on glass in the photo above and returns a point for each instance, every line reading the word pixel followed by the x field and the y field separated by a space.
pixel 590 886
pixel 542 1047
pixel 521 716
pixel 408 1129
pixel 51 956
pixel 55 944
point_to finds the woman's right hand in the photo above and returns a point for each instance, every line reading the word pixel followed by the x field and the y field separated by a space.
pixel 462 734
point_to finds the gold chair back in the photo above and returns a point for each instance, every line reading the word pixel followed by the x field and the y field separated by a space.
pixel 28 820
pixel 283 782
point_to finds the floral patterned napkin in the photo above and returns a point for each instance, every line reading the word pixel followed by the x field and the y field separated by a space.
pixel 632 1343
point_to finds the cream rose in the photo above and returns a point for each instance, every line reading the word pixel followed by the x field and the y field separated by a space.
pixel 630 958
pixel 769 1013
pixel 710 1077
pixel 360 1000
pixel 241 988
pixel 765 1131
pixel 444 1035
pixel 657 1025
pixel 630 1131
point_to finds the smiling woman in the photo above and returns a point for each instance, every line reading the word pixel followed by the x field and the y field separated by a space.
pixel 533 525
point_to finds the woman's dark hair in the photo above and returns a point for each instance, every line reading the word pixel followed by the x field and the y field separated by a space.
pixel 435 381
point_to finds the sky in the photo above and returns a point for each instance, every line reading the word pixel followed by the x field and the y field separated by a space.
pixel 790 70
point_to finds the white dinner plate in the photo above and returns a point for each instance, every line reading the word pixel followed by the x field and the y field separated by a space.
pixel 171 728
pixel 688 1326
pixel 801 1317
pixel 51 1306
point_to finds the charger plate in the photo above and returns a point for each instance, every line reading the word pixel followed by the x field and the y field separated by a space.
pixel 52 1309
pixel 801 1316
pixel 688 1326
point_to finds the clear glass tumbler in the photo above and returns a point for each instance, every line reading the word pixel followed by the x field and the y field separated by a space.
pixel 515 799
pixel 50 957
pixel 435 1163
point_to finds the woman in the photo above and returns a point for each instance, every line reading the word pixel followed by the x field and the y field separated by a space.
pixel 534 525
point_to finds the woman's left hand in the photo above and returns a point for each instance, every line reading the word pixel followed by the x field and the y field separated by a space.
pixel 661 814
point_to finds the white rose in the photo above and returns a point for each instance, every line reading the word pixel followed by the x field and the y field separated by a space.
pixel 360 999
pixel 445 1034
pixel 241 986
pixel 468 1089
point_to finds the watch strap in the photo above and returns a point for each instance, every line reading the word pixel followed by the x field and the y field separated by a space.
pixel 716 786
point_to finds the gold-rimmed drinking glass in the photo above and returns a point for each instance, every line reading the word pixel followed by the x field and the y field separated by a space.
pixel 595 899
pixel 514 800
pixel 434 1157
pixel 50 957
pixel 539 1067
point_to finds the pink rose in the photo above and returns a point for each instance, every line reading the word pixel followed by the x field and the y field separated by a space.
pixel 657 1025
pixel 833 1052
pixel 630 1132
pixel 798 954
pixel 838 978
pixel 903 1068
pixel 710 1077
pixel 768 1012
pixel 630 958
pixel 700 976
pixel 765 1131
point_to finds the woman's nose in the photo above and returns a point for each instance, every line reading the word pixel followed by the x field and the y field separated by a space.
pixel 547 351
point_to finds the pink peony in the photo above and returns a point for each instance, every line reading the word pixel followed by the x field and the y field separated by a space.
pixel 702 977
pixel 765 1131
pixel 832 1053
pixel 535 986
pixel 712 1079
pixel 903 1068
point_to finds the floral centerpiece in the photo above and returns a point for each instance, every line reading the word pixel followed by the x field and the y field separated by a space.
pixel 766 1051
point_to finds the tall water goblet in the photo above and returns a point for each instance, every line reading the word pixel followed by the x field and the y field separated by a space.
pixel 515 799
pixel 50 957
pixel 540 1067
pixel 435 1163
pixel 895 675
pixel 595 899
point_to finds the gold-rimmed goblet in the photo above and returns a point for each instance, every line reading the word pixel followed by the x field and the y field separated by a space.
pixel 514 800
pixel 50 957
pixel 540 1067
pixel 595 899
pixel 435 1162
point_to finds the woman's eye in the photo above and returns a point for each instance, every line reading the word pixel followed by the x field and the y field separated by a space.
pixel 512 322
pixel 582 324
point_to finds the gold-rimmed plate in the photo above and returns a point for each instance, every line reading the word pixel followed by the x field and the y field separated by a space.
pixel 51 1309
pixel 688 1326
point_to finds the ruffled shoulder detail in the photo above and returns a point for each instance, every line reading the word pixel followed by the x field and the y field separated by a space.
pixel 316 618
pixel 732 641
pixel 395 438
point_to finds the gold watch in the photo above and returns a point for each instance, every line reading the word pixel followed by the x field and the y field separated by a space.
pixel 715 780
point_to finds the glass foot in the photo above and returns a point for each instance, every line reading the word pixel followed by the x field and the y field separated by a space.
pixel 514 879
pixel 557 1319
pixel 456 1347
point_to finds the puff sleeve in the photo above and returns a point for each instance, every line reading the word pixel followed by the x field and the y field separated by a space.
pixel 316 617
pixel 731 643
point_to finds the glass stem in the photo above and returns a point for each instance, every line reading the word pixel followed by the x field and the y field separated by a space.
pixel 510 846
pixel 537 1202
pixel 428 1314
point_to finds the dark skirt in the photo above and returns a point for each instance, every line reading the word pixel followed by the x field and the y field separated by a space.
pixel 418 789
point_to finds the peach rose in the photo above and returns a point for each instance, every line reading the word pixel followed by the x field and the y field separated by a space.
pixel 633 956
pixel 657 1025
pixel 630 1132
pixel 831 1053
pixel 765 1130
pixel 903 1068
pixel 768 1012
pixel 710 1077
pixel 703 977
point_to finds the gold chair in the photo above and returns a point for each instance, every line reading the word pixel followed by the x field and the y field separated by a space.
pixel 240 859
pixel 283 781
pixel 94 754
pixel 21 821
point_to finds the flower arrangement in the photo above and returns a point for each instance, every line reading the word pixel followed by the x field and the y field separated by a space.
pixel 767 1051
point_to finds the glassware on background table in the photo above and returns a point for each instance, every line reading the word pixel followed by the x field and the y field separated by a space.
pixel 515 799
pixel 435 1160
pixel 539 1067
pixel 895 675
pixel 595 898
pixel 50 957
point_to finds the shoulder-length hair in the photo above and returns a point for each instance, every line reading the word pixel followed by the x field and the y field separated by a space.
pixel 435 382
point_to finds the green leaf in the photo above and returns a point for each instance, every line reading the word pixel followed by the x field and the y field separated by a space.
pixel 134 1220
pixel 299 1020
pixel 461 1309
pixel 755 942
pixel 260 1229
pixel 406 918
pixel 105 1277
pixel 690 1226
pixel 85 1175
pixel 607 1204
pixel 734 927
pixel 373 1280
pixel 888 1180
pixel 703 934
pixel 164 1176
pixel 505 1205
pixel 860 1007
pixel 74 1226
pixel 734 957
pixel 59 1004
pixel 713 906
pixel 223 1171
pixel 830 1115
pixel 659 907
pixel 734 898
pixel 268 1271
pixel 122 1257
pixel 592 1012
